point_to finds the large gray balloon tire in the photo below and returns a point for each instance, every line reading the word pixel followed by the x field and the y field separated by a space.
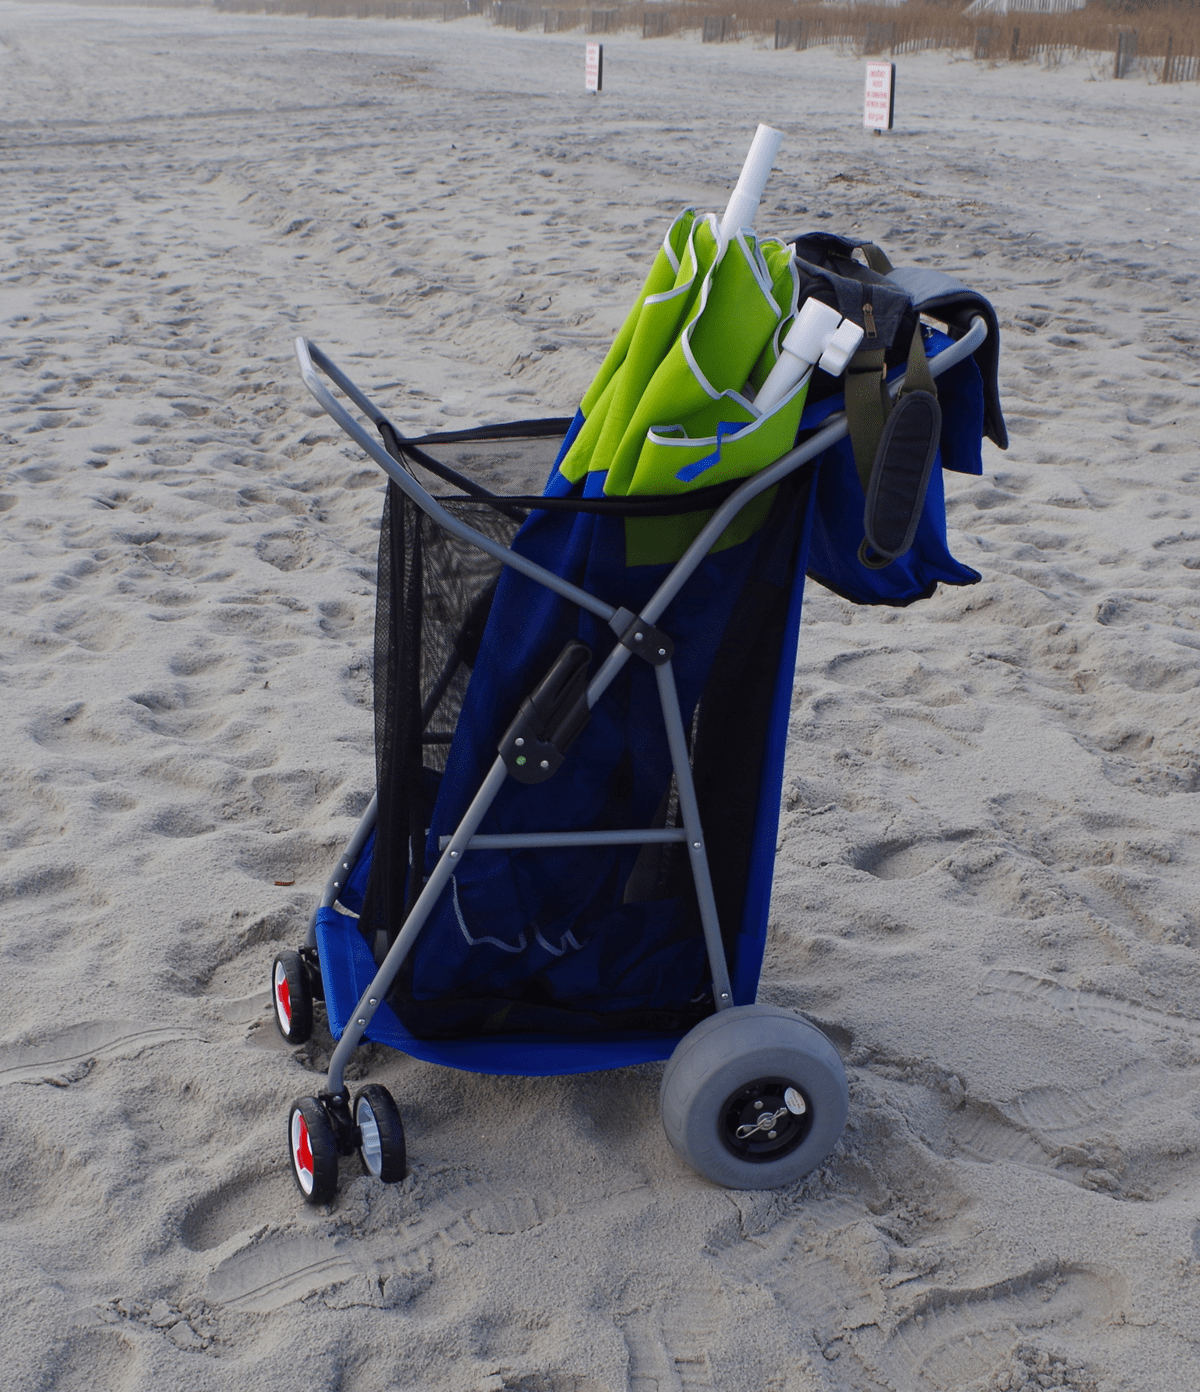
pixel 731 1050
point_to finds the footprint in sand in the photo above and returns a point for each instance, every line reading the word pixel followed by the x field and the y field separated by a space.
pixel 336 617
pixel 901 859
pixel 1116 1138
pixel 953 1338
pixel 286 551
pixel 180 712
pixel 196 664
pixel 282 1268
pixel 668 1344
pixel 234 1207
pixel 1006 990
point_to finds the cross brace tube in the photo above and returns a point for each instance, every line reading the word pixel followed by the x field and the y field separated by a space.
pixel 551 840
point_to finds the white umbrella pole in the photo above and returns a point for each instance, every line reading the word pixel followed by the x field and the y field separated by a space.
pixel 746 196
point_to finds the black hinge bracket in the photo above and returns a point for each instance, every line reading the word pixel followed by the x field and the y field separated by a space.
pixel 642 638
pixel 346 1135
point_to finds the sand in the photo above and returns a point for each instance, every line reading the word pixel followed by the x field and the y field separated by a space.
pixel 986 885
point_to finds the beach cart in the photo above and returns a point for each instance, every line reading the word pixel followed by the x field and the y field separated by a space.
pixel 581 705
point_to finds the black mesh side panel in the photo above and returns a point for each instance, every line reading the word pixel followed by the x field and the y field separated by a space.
pixel 434 593
pixel 397 710
pixel 733 716
pixel 397 733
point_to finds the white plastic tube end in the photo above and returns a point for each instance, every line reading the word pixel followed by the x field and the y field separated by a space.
pixel 842 346
pixel 752 182
pixel 815 324
pixel 819 334
pixel 759 161
pixel 789 371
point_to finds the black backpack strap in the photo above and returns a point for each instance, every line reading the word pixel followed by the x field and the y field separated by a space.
pixel 833 252
pixel 875 257
pixel 900 478
pixel 881 311
pixel 917 376
pixel 894 449
pixel 867 408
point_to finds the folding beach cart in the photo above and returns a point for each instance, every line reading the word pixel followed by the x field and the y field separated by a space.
pixel 581 706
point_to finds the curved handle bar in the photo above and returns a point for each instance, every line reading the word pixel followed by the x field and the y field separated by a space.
pixel 312 360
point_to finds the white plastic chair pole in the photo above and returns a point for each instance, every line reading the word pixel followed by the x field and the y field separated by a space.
pixel 747 195
pixel 819 334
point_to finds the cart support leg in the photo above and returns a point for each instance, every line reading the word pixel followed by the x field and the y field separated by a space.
pixel 341 873
pixel 690 810
pixel 450 860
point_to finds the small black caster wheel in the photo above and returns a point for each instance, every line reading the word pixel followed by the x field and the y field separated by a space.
pixel 313 1150
pixel 291 992
pixel 754 1097
pixel 382 1147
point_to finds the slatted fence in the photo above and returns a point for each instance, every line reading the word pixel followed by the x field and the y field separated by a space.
pixel 1165 46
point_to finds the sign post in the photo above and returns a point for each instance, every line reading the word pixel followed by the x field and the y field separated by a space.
pixel 879 103
pixel 593 67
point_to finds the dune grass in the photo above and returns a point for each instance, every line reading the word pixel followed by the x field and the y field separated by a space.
pixel 1157 38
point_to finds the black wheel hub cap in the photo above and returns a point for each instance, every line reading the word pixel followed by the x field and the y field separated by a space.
pixel 761 1121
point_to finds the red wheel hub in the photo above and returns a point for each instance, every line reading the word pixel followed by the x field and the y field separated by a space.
pixel 302 1154
pixel 283 996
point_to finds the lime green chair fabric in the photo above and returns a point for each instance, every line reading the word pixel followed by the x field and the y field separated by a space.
pixel 669 409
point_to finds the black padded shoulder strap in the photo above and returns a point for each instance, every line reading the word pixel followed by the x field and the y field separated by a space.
pixel 943 297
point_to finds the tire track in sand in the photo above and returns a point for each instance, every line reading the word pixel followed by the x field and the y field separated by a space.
pixel 67 1056
pixel 285 1267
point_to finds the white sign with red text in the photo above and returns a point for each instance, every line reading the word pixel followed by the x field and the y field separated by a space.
pixel 593 67
pixel 880 100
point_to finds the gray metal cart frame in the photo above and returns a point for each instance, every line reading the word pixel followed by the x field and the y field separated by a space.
pixel 634 633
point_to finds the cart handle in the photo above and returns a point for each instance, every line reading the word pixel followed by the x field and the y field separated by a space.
pixel 312 360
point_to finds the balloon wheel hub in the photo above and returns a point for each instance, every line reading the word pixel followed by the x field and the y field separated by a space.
pixel 759 1122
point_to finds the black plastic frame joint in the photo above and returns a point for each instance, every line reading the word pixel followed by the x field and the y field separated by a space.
pixel 550 718
pixel 648 642
pixel 312 965
pixel 346 1134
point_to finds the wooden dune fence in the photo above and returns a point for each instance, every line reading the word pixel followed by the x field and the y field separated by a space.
pixel 1164 46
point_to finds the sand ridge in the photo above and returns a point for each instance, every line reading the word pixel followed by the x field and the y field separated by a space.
pixel 985 889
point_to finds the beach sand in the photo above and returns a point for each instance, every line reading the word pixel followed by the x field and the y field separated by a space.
pixel 986 887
